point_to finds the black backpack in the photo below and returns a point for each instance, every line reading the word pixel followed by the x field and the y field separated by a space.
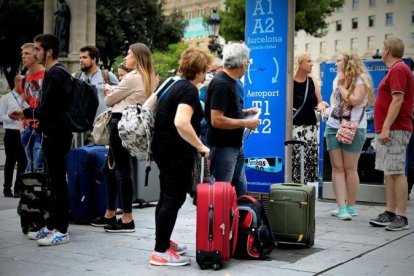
pixel 82 106
pixel 255 239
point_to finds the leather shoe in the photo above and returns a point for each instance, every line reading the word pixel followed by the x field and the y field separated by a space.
pixel 8 194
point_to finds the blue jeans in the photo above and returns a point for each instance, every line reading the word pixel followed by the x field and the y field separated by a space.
pixel 227 164
pixel 32 143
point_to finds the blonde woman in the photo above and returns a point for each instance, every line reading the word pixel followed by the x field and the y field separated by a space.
pixel 134 88
pixel 352 93
pixel 306 97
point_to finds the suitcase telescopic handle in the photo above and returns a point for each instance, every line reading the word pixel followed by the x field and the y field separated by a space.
pixel 202 168
pixel 295 142
pixel 302 154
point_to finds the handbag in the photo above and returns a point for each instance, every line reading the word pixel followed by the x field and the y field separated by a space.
pixel 100 132
pixel 347 129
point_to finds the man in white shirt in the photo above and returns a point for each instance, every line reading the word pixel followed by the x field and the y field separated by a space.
pixel 12 142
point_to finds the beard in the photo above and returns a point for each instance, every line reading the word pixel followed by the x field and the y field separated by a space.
pixel 86 68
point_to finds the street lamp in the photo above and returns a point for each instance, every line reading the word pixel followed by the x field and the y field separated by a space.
pixel 213 24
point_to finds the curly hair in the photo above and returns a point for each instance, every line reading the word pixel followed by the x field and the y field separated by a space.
pixel 354 68
pixel 194 61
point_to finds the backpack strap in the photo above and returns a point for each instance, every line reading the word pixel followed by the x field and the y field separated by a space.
pixel 105 75
pixel 78 74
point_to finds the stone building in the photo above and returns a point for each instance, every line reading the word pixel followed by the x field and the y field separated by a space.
pixel 361 26
pixel 194 11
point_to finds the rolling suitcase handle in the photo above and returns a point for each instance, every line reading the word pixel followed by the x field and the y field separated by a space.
pixel 302 154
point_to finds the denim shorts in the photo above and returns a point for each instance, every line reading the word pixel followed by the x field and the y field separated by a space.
pixel 390 158
pixel 357 143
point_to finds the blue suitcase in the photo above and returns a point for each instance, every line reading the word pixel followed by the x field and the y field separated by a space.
pixel 86 183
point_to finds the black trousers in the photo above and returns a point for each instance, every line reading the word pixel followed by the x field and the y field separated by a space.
pixel 122 178
pixel 55 148
pixel 175 181
pixel 14 154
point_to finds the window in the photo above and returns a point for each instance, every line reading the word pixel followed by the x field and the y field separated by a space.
pixel 388 18
pixel 372 3
pixel 308 47
pixel 371 42
pixel 390 2
pixel 412 39
pixel 355 4
pixel 322 47
pixel 412 17
pixel 387 35
pixel 338 45
pixel 371 21
pixel 354 23
pixel 354 44
pixel 339 25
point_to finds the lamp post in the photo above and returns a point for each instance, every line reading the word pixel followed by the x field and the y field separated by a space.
pixel 213 23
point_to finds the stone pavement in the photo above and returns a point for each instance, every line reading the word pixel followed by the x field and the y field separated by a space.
pixel 341 248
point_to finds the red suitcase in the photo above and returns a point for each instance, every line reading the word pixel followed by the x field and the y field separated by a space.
pixel 217 224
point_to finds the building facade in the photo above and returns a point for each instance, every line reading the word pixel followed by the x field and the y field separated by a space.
pixel 361 26
pixel 196 32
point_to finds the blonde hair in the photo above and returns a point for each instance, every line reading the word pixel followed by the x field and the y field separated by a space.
pixel 395 45
pixel 145 66
pixel 27 45
pixel 298 59
pixel 354 68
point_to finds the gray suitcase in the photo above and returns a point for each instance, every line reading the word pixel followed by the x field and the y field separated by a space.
pixel 145 191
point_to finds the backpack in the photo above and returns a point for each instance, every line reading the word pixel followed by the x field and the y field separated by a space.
pixel 255 240
pixel 105 75
pixel 136 126
pixel 82 106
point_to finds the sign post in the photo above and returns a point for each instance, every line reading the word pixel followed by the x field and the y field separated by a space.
pixel 269 35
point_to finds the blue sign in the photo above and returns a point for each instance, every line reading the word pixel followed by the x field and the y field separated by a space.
pixel 265 88
pixel 375 67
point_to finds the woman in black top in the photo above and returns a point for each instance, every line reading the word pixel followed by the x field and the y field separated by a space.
pixel 306 98
pixel 174 145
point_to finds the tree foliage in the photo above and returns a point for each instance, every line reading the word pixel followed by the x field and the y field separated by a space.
pixel 20 21
pixel 310 15
pixel 120 23
pixel 166 62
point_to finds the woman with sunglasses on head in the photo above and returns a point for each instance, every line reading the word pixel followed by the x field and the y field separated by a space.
pixel 352 93
pixel 136 86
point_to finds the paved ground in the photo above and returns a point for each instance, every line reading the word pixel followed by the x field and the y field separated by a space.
pixel 341 248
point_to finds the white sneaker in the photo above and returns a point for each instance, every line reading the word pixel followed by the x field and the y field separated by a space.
pixel 169 258
pixel 42 233
pixel 54 239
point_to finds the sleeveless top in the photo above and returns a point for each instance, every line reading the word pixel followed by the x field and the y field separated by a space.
pixel 306 115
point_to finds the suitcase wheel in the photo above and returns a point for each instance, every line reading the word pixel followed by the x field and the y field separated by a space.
pixel 310 244
pixel 216 266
